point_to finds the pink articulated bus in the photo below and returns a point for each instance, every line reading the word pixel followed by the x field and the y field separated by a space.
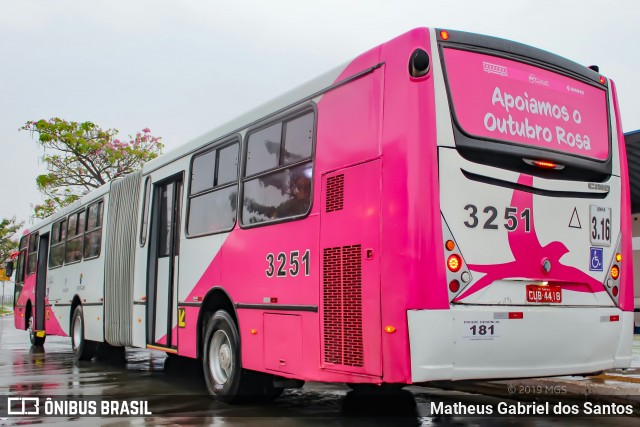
pixel 445 206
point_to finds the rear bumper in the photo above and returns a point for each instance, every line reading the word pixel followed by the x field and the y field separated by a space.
pixel 542 341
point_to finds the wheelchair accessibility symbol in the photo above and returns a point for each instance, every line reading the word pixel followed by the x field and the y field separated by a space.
pixel 595 259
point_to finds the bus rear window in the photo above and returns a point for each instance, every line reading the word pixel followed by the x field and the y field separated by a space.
pixel 508 101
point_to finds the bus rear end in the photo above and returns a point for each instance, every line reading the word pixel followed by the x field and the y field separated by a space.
pixel 535 217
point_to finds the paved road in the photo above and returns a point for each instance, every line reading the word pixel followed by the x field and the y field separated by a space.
pixel 177 386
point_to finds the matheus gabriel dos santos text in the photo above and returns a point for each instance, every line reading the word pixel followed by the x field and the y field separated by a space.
pixel 520 408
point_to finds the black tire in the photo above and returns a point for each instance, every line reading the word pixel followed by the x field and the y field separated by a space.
pixel 222 364
pixel 35 340
pixel 82 349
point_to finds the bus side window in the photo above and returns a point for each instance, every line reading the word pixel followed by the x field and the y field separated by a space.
pixel 93 235
pixel 279 172
pixel 20 264
pixel 144 221
pixel 32 257
pixel 75 237
pixel 58 240
pixel 213 190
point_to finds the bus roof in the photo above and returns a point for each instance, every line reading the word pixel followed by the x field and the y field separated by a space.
pixel 289 99
pixel 84 200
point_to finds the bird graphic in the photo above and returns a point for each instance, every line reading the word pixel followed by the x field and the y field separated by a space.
pixel 529 256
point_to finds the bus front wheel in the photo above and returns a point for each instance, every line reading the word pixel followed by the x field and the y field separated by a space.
pixel 82 349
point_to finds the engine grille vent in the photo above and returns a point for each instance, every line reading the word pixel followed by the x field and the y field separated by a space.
pixel 342 305
pixel 335 193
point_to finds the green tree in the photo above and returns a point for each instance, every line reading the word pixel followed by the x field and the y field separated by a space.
pixel 8 227
pixel 82 156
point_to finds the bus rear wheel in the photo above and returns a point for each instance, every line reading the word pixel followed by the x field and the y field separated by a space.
pixel 82 349
pixel 222 363
pixel 36 341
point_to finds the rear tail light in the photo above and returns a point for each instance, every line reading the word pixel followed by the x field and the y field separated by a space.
pixel 454 286
pixel 450 245
pixel 612 280
pixel 615 272
pixel 458 274
pixel 454 263
pixel 543 164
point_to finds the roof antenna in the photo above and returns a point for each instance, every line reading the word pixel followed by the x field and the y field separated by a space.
pixel 595 68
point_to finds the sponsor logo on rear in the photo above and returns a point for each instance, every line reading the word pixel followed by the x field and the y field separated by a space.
pixel 490 68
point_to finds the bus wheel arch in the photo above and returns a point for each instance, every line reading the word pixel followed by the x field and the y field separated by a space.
pixel 218 327
pixel 216 299
pixel 74 303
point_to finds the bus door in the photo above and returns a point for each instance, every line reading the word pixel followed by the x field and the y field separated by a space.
pixel 41 283
pixel 162 284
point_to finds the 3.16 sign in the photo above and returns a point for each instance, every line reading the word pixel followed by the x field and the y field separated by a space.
pixel 600 230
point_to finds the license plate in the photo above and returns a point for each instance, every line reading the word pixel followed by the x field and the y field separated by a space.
pixel 544 294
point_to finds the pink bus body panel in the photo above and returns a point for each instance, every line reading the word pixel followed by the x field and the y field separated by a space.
pixel 626 299
pixel 411 227
pixel 348 132
pixel 27 294
pixel 51 323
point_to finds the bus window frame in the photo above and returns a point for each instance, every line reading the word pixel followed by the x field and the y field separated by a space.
pixel 79 236
pixel 36 236
pixel 87 231
pixel 144 218
pixel 59 243
pixel 216 146
pixel 291 115
pixel 21 261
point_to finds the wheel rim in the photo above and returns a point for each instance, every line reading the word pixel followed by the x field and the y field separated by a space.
pixel 77 332
pixel 220 357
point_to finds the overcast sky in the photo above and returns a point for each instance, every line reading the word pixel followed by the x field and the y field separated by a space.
pixel 184 67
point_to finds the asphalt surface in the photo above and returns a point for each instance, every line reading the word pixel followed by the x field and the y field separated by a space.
pixel 176 394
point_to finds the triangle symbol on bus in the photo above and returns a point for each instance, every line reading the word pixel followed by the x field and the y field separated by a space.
pixel 575 221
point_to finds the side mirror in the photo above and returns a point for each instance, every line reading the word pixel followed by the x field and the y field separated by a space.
pixel 9 268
